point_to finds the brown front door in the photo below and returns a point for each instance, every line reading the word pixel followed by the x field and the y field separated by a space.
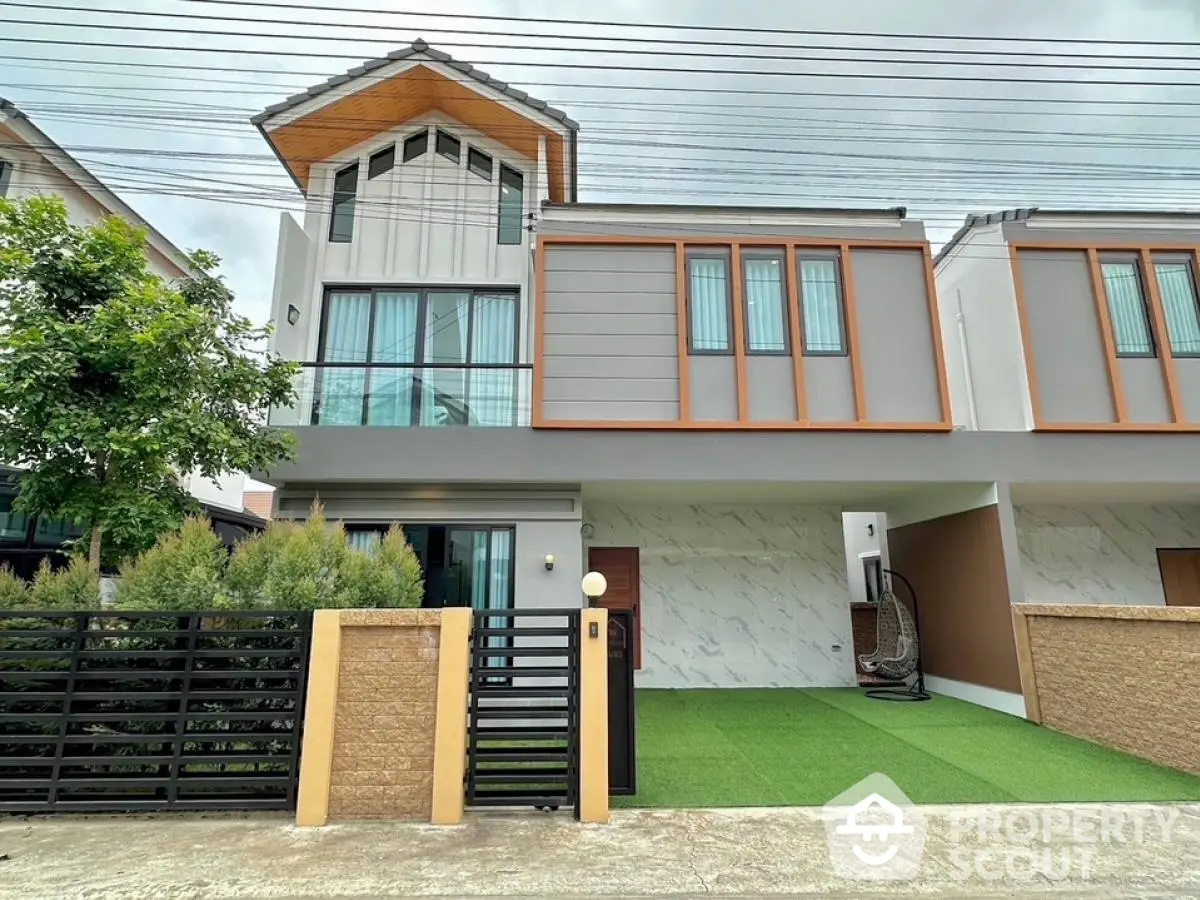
pixel 1180 571
pixel 619 566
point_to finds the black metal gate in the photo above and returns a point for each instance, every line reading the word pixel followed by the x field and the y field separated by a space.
pixel 109 712
pixel 523 727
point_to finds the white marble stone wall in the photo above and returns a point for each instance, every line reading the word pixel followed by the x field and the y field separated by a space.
pixel 736 596
pixel 1099 554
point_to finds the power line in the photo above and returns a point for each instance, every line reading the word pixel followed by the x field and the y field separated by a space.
pixel 1060 59
pixel 660 70
pixel 737 29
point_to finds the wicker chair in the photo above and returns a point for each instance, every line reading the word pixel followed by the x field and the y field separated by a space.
pixel 896 648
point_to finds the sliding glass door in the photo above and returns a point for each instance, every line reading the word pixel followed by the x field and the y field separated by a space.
pixel 431 357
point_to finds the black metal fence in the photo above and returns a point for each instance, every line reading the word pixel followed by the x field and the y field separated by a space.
pixel 106 712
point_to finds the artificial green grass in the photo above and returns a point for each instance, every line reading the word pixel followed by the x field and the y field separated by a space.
pixel 803 747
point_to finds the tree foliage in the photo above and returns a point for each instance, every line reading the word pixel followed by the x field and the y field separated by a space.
pixel 113 383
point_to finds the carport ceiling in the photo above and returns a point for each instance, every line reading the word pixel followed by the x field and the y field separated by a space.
pixel 849 495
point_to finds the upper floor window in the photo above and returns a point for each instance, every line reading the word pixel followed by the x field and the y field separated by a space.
pixel 822 319
pixel 512 206
pixel 479 163
pixel 415 146
pixel 341 214
pixel 765 307
pixel 1127 307
pixel 708 302
pixel 6 170
pixel 1177 286
pixel 381 163
pixel 449 146
pixel 410 356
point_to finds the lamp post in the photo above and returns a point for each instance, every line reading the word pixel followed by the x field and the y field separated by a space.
pixel 594 585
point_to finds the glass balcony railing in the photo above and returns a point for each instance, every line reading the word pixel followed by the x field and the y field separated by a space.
pixel 400 395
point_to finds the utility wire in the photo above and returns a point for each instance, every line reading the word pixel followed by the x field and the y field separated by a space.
pixel 1060 59
pixel 660 70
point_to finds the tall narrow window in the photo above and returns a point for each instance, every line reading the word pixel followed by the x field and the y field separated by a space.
pixel 821 317
pixel 415 146
pixel 1177 286
pixel 6 170
pixel 766 319
pixel 341 216
pixel 708 304
pixel 512 206
pixel 1127 308
pixel 342 390
pixel 449 146
pixel 381 163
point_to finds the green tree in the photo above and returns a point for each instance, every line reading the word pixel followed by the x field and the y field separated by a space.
pixel 113 383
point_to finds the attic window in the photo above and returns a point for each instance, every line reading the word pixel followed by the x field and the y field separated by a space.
pixel 381 163
pixel 341 214
pixel 449 146
pixel 6 170
pixel 415 146
pixel 479 163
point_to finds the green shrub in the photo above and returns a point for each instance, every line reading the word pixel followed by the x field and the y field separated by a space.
pixel 13 592
pixel 313 565
pixel 182 571
pixel 75 587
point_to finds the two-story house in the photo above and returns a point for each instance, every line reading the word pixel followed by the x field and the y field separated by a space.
pixel 686 398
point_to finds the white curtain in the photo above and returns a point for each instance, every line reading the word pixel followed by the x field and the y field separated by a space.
pixel 492 393
pixel 822 309
pixel 365 541
pixel 500 583
pixel 1178 292
pixel 1127 309
pixel 443 394
pixel 765 322
pixel 341 390
pixel 395 341
pixel 710 304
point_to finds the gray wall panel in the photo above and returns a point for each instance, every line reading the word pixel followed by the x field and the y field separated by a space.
pixel 829 388
pixel 611 410
pixel 1020 232
pixel 714 388
pixel 771 388
pixel 1072 376
pixel 1145 390
pixel 1187 374
pixel 910 230
pixel 610 334
pixel 899 366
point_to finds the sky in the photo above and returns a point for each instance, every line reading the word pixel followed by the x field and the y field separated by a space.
pixel 839 120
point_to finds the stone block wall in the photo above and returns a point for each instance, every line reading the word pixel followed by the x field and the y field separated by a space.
pixel 386 714
pixel 1127 677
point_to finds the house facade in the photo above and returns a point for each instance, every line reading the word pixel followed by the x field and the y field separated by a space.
pixel 686 398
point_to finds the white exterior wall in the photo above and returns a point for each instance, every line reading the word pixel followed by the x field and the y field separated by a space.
pixel 985 359
pixel 864 533
pixel 1097 553
pixel 34 174
pixel 227 490
pixel 736 596
pixel 426 222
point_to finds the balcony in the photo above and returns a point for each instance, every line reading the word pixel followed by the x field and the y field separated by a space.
pixel 407 396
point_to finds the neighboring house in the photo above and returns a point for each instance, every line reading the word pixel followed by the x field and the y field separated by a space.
pixel 259 503
pixel 32 164
pixel 686 398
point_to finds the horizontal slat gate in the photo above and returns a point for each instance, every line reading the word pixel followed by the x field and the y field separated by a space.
pixel 523 727
pixel 110 712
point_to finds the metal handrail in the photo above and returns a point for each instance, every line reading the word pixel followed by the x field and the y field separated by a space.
pixel 412 365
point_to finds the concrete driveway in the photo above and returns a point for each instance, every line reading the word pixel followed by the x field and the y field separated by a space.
pixel 1122 851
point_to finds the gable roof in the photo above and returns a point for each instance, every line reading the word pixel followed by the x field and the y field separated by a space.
pixel 95 188
pixel 538 113
pixel 418 48
pixel 980 220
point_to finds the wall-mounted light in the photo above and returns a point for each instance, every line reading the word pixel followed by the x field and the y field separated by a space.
pixel 549 561
pixel 293 314
pixel 594 585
